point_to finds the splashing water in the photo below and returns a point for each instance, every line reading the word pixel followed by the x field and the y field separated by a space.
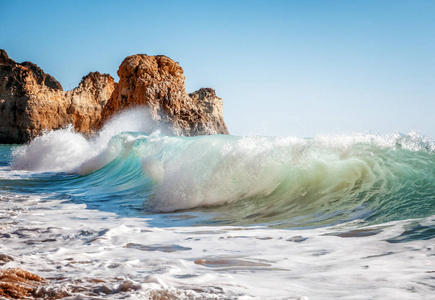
pixel 283 182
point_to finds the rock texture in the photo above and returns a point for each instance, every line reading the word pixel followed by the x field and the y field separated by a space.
pixel 212 106
pixel 158 82
pixel 88 99
pixel 18 284
pixel 32 101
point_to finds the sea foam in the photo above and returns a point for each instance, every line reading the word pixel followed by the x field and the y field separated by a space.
pixel 64 150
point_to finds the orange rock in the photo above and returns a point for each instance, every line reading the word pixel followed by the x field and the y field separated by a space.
pixel 32 101
pixel 88 99
pixel 158 82
pixel 17 283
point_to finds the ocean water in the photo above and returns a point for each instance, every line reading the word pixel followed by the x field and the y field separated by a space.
pixel 135 214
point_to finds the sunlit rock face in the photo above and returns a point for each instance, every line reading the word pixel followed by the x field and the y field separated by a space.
pixel 158 82
pixel 19 284
pixel 88 100
pixel 32 101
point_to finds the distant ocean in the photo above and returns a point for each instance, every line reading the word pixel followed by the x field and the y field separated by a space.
pixel 134 214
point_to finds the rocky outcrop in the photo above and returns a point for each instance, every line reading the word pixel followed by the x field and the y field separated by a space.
pixel 32 101
pixel 158 82
pixel 18 284
pixel 212 106
pixel 21 89
pixel 88 99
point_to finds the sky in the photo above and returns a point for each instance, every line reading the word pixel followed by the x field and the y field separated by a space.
pixel 283 68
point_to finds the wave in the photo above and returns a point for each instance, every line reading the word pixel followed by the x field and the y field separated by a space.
pixel 244 180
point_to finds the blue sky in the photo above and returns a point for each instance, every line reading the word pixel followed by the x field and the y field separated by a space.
pixel 285 68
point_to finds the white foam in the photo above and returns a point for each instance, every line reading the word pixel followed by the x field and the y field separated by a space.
pixel 412 141
pixel 56 151
pixel 86 254
pixel 64 150
pixel 216 170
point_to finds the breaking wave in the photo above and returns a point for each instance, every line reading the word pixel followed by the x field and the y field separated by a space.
pixel 284 182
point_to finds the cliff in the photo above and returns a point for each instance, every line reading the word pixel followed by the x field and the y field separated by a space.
pixel 158 82
pixel 32 101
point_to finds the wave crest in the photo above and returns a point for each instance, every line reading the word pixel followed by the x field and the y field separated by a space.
pixel 252 179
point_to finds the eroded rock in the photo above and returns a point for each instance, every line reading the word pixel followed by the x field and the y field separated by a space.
pixel 18 284
pixel 32 101
pixel 158 82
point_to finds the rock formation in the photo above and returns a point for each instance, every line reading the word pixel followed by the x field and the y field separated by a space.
pixel 88 99
pixel 212 106
pixel 158 83
pixel 18 284
pixel 32 101
pixel 20 85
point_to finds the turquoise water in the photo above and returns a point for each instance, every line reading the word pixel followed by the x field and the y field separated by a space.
pixel 228 180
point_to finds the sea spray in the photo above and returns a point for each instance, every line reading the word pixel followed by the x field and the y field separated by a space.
pixel 283 182
pixel 64 150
